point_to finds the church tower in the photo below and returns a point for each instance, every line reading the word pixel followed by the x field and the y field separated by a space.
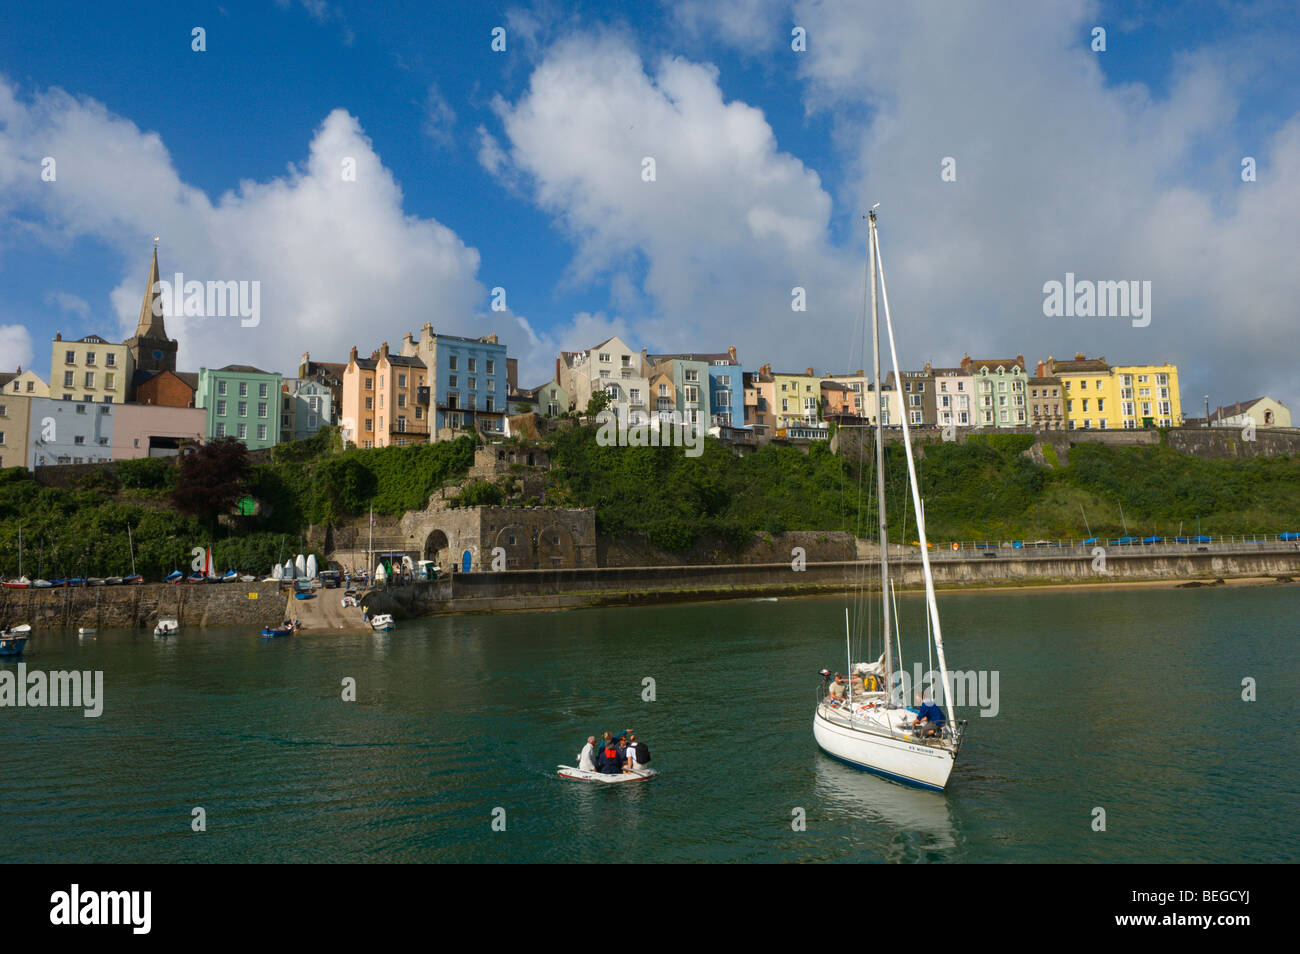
pixel 151 349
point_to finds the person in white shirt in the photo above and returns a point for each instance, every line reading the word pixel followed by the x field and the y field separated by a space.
pixel 586 762
pixel 632 764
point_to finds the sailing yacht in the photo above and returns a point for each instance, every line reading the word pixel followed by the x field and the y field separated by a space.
pixel 874 730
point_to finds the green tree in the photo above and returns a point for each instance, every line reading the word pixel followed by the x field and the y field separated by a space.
pixel 211 479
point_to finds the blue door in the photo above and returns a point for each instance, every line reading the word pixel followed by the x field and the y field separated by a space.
pixel 465 561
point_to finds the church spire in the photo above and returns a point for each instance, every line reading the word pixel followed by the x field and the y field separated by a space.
pixel 150 324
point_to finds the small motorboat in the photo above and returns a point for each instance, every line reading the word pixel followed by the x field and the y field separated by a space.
pixel 13 640
pixel 113 581
pixel 382 623
pixel 21 583
pixel 84 631
pixel 582 775
pixel 96 581
pixel 247 579
pixel 167 626
pixel 270 632
pixel 195 578
pixel 43 584
pixel 132 580
pixel 175 576
pixel 230 576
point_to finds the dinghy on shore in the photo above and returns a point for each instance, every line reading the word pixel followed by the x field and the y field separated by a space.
pixel 582 775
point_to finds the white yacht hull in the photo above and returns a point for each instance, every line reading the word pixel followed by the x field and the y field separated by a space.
pixel 894 757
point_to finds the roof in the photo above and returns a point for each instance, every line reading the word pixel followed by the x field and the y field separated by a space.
pixel 1049 379
pixel 399 360
pixel 1232 410
pixel 6 377
pixel 834 386
pixel 189 377
pixel 244 369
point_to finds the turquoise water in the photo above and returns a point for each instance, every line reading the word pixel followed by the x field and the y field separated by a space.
pixel 1126 700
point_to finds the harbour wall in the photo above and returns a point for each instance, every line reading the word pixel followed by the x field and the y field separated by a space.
pixel 209 604
pixel 519 590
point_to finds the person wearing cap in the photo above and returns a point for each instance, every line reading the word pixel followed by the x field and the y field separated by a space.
pixel 839 688
pixel 585 760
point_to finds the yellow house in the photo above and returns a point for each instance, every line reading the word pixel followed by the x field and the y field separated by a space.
pixel 1148 395
pixel 1100 396
pixel 27 383
pixel 796 398
pixel 90 369
pixel 1088 391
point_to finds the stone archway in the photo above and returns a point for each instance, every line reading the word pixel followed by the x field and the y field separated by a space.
pixel 438 549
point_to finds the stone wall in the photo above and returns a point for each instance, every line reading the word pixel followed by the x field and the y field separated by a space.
pixel 819 546
pixel 568 589
pixel 207 604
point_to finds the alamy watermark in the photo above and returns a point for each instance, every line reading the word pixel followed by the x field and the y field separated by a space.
pixel 664 429
pixel 36 689
pixel 1089 299
pixel 963 688
pixel 195 299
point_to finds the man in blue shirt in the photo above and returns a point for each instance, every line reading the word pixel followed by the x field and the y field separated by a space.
pixel 930 719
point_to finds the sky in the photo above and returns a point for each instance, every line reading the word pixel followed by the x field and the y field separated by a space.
pixel 509 191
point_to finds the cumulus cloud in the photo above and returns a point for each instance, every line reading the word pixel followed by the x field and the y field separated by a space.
pixel 66 301
pixel 729 224
pixel 1059 170
pixel 339 261
pixel 15 347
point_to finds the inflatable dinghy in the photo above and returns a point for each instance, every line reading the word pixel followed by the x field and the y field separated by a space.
pixel 581 775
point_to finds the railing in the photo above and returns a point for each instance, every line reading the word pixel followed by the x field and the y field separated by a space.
pixel 1225 544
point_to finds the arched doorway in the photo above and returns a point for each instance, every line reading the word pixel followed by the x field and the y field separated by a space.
pixel 438 549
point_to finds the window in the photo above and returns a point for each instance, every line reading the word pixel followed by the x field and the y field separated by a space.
pixel 110 360
pixel 370 424
pixel 90 379
pixel 370 384
pixel 381 402
pixel 604 359
pixel 261 432
pixel 67 379
pixel 69 357
pixel 79 439
pixel 451 381
pixel 491 366
pixel 81 409
pixel 453 400
pixel 370 404
pixel 243 409
pixel 401 399
pixel 261 409
pixel 221 430
pixel 90 357
pixel 103 442
pixel 221 387
pixel 261 390
pixel 110 381
pixel 451 362
pixel 401 380
pixel 473 382
pixel 473 365
pixel 242 431
pixel 243 389
pixel 491 404
pixel 1101 405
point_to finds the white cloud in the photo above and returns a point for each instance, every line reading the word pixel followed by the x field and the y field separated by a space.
pixel 1059 170
pixel 727 229
pixel 339 262
pixel 439 117
pixel 66 301
pixel 15 347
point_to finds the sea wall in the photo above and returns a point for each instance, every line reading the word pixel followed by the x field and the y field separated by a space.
pixel 209 604
pixel 607 586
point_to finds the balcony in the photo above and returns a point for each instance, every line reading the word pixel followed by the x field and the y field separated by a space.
pixel 411 428
pixel 422 396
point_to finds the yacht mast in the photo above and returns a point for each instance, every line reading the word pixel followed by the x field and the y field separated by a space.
pixel 880 461
pixel 916 498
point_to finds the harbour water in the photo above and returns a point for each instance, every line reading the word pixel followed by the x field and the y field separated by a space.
pixel 1124 700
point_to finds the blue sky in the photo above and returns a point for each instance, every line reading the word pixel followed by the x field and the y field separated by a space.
pixel 520 170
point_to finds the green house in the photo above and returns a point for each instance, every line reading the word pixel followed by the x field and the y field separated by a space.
pixel 241 402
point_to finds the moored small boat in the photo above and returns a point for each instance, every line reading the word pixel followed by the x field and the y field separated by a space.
pixel 135 580
pixel 21 583
pixel 175 576
pixel 167 626
pixel 382 623
pixel 13 640
pixel 87 631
